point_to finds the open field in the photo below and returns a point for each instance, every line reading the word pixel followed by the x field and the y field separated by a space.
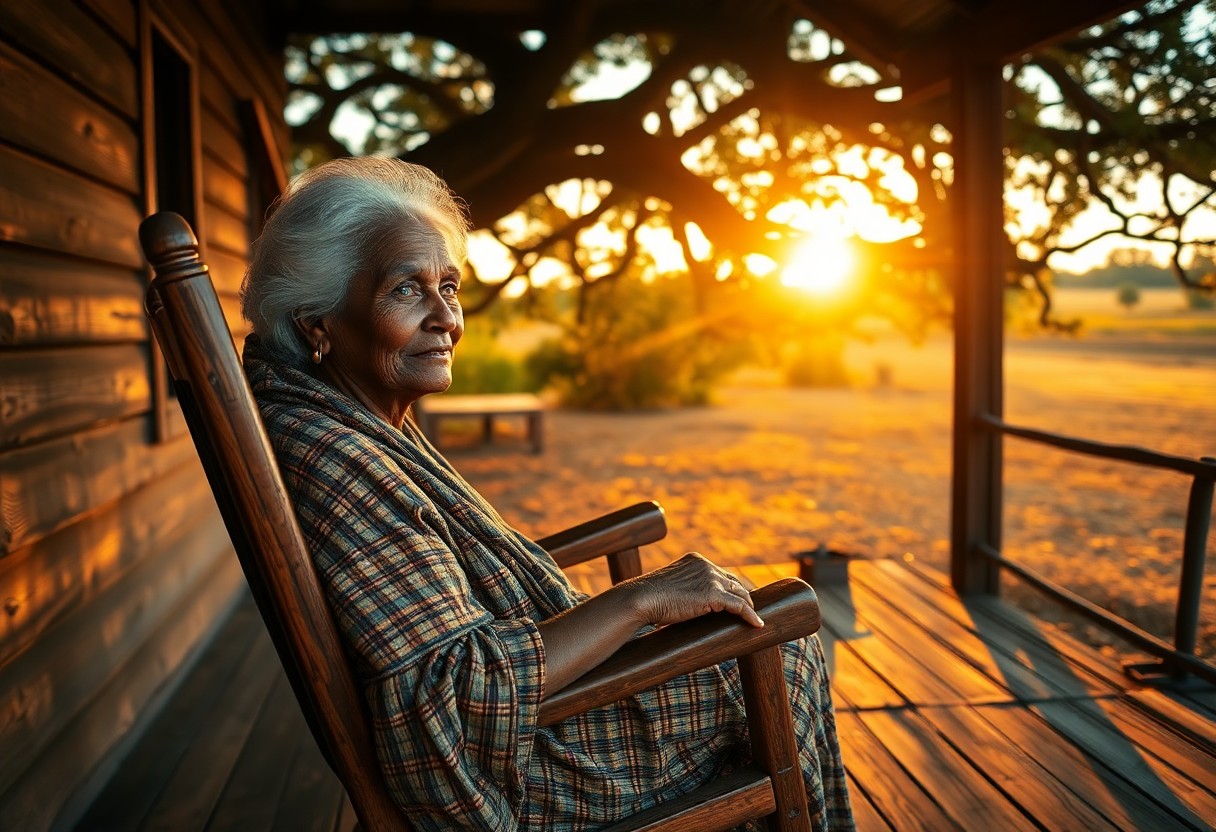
pixel 769 471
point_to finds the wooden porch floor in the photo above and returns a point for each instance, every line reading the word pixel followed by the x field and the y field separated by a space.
pixel 952 715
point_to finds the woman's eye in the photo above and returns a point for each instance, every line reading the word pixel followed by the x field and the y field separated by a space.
pixel 407 289
pixel 450 289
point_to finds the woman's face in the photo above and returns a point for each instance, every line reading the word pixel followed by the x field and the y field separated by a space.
pixel 392 342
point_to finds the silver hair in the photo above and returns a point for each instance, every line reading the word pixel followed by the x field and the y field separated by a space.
pixel 325 229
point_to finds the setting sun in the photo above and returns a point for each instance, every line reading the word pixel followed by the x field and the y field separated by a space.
pixel 820 265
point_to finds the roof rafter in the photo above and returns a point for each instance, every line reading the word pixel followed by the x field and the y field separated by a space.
pixel 1001 30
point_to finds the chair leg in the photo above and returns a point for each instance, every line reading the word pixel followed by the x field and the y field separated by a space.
pixel 774 746
pixel 536 431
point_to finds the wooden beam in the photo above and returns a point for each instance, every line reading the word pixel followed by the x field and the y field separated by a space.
pixel 979 283
pixel 1001 31
pixel 869 39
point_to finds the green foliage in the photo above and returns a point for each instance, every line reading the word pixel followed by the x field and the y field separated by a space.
pixel 640 345
pixel 1199 300
pixel 481 366
pixel 1126 267
pixel 1129 295
pixel 725 144
pixel 1102 116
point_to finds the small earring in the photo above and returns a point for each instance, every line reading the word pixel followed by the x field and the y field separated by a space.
pixel 316 356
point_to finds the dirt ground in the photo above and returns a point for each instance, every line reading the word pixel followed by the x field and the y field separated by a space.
pixel 768 471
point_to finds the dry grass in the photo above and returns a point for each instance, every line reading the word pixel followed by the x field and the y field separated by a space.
pixel 769 471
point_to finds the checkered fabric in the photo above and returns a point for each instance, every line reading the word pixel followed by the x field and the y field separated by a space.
pixel 438 599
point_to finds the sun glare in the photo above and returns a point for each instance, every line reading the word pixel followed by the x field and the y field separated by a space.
pixel 820 265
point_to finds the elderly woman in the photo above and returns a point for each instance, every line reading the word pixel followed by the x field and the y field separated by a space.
pixel 457 622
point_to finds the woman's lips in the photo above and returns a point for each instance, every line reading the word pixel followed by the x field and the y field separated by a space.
pixel 435 354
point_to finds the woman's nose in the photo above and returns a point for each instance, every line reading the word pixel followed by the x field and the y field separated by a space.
pixel 443 316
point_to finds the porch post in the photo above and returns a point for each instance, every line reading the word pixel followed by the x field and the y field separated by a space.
pixel 976 93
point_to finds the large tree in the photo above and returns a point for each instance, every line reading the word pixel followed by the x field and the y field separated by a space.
pixel 1105 116
pixel 723 118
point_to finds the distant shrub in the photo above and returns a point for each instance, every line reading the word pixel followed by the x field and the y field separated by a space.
pixel 482 367
pixel 640 345
pixel 816 361
pixel 1198 300
pixel 1129 295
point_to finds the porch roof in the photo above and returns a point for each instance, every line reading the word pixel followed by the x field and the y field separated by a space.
pixel 915 41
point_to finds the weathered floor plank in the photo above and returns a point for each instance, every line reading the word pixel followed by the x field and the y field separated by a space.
pixel 135 788
pixel 953 714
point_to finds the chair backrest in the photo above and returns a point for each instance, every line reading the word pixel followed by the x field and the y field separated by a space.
pixel 227 430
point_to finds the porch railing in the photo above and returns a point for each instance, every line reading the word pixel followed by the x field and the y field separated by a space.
pixel 1179 658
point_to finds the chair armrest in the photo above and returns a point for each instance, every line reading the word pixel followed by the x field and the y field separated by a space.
pixel 789 608
pixel 627 528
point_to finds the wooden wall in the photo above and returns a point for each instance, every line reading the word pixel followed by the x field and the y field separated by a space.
pixel 114 564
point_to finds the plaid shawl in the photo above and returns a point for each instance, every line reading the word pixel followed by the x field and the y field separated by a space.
pixel 438 597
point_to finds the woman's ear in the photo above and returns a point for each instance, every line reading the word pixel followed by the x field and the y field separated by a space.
pixel 315 332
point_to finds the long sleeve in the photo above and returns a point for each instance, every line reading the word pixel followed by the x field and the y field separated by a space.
pixel 453 687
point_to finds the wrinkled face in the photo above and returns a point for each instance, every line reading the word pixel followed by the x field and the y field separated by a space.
pixel 392 342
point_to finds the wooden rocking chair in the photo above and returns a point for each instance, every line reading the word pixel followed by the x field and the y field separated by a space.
pixel 227 430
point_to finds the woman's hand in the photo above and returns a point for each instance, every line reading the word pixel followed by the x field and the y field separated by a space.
pixel 687 588
pixel 580 638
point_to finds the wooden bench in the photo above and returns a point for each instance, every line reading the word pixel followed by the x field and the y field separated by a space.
pixel 433 410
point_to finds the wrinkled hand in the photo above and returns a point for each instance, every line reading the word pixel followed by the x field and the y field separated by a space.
pixel 687 588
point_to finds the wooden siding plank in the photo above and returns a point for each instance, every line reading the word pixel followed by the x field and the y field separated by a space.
pixel 238 28
pixel 962 792
pixel 77 45
pixel 134 789
pixel 223 143
pixel 245 70
pixel 49 300
pixel 41 690
pixel 222 187
pixel 227 272
pixel 225 231
pixel 119 15
pixel 80 747
pixel 47 207
pixel 44 114
pixel 189 797
pixel 240 22
pixel 47 580
pixel 230 303
pixel 217 98
pixel 43 392
pixel 1015 771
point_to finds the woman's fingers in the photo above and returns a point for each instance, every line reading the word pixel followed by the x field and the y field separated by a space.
pixel 739 600
pixel 693 586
